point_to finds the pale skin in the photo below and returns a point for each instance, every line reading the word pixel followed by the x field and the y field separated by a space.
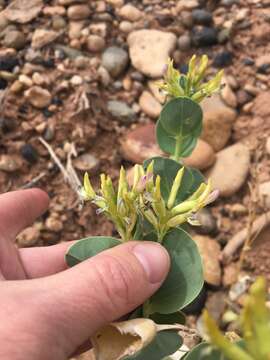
pixel 48 311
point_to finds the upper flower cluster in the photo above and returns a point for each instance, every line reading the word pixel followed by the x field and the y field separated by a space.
pixel 190 85
pixel 145 198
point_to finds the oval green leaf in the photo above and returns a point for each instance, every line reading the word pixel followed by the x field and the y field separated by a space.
pixel 167 142
pixel 182 117
pixel 88 247
pixel 167 169
pixel 185 279
pixel 164 344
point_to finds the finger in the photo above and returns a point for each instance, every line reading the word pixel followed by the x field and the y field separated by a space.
pixel 44 261
pixel 82 299
pixel 19 209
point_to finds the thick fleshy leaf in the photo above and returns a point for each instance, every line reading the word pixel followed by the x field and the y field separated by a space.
pixel 88 247
pixel 165 343
pixel 185 279
pixel 167 142
pixel 182 117
pixel 167 169
pixel 174 318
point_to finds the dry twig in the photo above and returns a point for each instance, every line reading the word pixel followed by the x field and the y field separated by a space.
pixel 239 239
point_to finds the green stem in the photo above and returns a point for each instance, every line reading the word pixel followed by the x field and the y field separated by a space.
pixel 177 150
pixel 145 310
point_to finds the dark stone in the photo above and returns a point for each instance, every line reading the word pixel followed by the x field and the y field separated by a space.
pixel 248 62
pixel 264 69
pixel 223 59
pixel 197 304
pixel 164 19
pixel 29 153
pixel 208 223
pixel 7 125
pixel 205 36
pixel 3 84
pixel 243 97
pixel 57 101
pixel 202 17
pixel 8 63
pixel 47 113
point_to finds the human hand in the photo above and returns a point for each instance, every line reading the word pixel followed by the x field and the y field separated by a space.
pixel 48 311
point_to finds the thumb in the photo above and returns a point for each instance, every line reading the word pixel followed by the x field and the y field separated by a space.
pixel 104 288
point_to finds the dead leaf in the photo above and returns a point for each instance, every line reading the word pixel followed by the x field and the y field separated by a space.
pixel 126 338
pixel 23 11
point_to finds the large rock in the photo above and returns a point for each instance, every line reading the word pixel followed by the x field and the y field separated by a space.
pixel 218 120
pixel 140 144
pixel 202 157
pixel 149 105
pixel 210 252
pixel 23 11
pixel 130 12
pixel 150 49
pixel 230 169
pixel 261 105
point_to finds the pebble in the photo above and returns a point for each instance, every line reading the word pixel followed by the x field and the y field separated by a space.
pixel 186 19
pixel 208 223
pixel 202 17
pixel 54 10
pixel 140 144
pixel 38 79
pixel 264 191
pixel 25 80
pixel 95 43
pixel 218 120
pixel 14 39
pixel 78 12
pixel 3 84
pixel 152 84
pixel 10 163
pixel 126 26
pixel 228 96
pixel 149 50
pixel 267 145
pixel 216 304
pixel 76 80
pixel 28 237
pixel 54 224
pixel 230 274
pixel 23 11
pixel 29 153
pixel 104 76
pixel 261 105
pixel 223 59
pixel 202 157
pixel 115 60
pixel 184 42
pixel 121 111
pixel 43 37
pixel 243 97
pixel 130 13
pixel 87 162
pixel 7 124
pixel 205 36
pixel 210 253
pixel 16 87
pixel 149 105
pixel 38 97
pixel 58 22
pixel 3 21
pixel 234 161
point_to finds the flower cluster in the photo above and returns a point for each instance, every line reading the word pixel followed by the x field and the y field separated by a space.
pixel 190 85
pixel 145 198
